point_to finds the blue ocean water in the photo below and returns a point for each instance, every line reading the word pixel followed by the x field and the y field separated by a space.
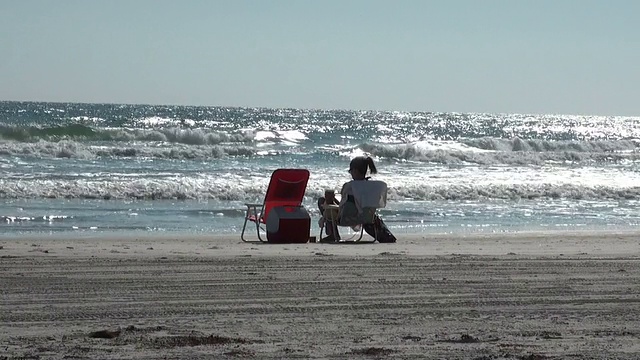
pixel 92 168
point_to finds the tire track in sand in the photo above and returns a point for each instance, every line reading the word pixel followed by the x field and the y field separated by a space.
pixel 329 306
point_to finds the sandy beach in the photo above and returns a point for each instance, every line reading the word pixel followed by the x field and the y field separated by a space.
pixel 553 295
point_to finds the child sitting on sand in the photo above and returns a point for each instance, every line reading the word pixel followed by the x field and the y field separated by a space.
pixel 358 170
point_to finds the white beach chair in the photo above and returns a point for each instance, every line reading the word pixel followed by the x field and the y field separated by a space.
pixel 369 196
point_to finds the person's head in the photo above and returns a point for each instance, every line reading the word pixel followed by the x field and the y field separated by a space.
pixel 359 165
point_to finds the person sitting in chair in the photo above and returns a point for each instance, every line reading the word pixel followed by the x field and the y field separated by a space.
pixel 377 229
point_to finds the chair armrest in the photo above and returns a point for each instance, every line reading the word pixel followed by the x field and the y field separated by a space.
pixel 332 211
pixel 331 206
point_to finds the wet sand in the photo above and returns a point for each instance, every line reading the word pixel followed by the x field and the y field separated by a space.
pixel 552 295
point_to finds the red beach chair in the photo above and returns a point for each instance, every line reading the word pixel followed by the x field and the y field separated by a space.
pixel 286 188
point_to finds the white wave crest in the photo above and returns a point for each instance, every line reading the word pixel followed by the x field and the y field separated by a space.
pixel 291 137
pixel 76 150
pixel 181 136
pixel 510 152
pixel 536 145
pixel 234 189
pixel 178 188
pixel 513 192
pixel 45 218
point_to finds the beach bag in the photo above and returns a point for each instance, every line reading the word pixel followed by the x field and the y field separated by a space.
pixel 383 235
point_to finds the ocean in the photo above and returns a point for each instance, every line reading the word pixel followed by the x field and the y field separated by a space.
pixel 69 168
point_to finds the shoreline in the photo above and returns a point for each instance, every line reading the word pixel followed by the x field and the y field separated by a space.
pixel 533 243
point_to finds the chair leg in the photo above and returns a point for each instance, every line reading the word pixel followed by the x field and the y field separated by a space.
pixel 246 219
pixel 244 226
pixel 333 223
pixel 361 232
pixel 258 230
pixel 258 220
pixel 334 228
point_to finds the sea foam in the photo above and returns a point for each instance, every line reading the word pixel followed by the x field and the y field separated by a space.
pixel 184 188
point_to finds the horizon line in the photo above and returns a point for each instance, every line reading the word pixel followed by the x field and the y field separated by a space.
pixel 313 109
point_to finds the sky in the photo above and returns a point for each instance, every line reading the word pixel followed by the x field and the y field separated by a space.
pixel 496 56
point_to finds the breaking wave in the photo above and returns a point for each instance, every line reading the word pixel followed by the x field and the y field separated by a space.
pixel 87 133
pixel 142 189
pixel 537 145
pixel 494 153
pixel 186 188
pixel 45 218
pixel 486 151
pixel 514 192
pixel 75 150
